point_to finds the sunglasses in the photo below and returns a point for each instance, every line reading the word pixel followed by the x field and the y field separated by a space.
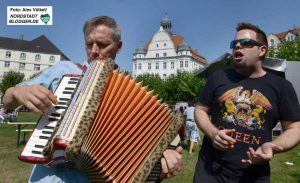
pixel 245 43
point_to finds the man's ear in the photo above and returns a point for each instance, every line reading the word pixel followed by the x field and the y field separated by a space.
pixel 119 46
pixel 263 50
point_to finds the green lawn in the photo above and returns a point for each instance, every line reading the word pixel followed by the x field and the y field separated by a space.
pixel 13 171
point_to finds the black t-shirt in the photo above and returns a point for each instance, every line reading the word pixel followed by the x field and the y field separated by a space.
pixel 252 106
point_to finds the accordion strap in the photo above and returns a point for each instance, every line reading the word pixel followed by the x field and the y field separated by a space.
pixel 82 67
pixel 154 176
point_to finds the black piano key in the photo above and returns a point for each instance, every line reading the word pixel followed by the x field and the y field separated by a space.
pixel 39 146
pixel 55 114
pixel 64 99
pixel 60 107
pixel 74 79
pixel 72 82
pixel 46 132
pixel 43 137
pixel 69 88
pixel 49 127
pixel 50 118
pixel 67 92
pixel 37 152
pixel 61 103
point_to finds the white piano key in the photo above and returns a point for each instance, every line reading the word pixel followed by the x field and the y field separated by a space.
pixel 29 153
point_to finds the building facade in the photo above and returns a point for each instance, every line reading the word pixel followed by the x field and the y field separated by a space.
pixel 165 54
pixel 274 40
pixel 28 57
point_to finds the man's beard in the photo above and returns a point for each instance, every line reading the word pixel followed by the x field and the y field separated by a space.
pixel 240 64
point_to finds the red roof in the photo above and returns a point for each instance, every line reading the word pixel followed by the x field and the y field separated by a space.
pixel 177 40
pixel 281 35
pixel 199 58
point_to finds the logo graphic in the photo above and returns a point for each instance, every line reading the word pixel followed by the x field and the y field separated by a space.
pixel 29 15
pixel 45 18
pixel 243 108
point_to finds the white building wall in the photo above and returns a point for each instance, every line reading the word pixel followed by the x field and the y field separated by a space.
pixel 290 37
pixel 160 44
pixel 161 49
pixel 29 61
pixel 275 39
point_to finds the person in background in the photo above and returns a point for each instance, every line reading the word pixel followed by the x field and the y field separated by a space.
pixel 191 129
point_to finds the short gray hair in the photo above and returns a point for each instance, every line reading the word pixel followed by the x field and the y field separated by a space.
pixel 103 20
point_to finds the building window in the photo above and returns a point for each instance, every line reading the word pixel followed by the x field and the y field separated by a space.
pixel 186 64
pixel 37 57
pixel 164 76
pixel 172 65
pixel 23 56
pixel 149 66
pixel 5 74
pixel 165 54
pixel 52 59
pixel 157 66
pixel 140 66
pixel 37 67
pixel 6 64
pixel 181 64
pixel 22 66
pixel 156 45
pixel 272 43
pixel 165 44
pixel 134 66
pixel 8 54
pixel 157 55
pixel 165 65
pixel 290 38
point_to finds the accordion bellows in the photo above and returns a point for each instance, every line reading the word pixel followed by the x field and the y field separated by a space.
pixel 130 127
pixel 119 128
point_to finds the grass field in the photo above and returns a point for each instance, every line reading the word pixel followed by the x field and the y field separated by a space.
pixel 14 171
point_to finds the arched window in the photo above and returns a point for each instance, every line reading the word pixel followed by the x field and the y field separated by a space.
pixel 23 56
pixel 8 54
pixel 37 57
pixel 52 59
pixel 272 42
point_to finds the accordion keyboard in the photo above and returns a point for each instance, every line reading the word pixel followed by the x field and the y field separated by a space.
pixel 33 150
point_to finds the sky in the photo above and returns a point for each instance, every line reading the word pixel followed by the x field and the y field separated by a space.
pixel 206 25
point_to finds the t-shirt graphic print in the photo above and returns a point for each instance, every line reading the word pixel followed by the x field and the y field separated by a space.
pixel 244 108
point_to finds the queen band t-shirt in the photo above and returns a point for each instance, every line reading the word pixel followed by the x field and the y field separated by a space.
pixel 251 106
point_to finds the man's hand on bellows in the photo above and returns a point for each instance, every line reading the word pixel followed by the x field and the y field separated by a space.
pixel 171 162
pixel 36 97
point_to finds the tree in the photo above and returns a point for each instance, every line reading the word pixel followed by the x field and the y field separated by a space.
pixel 289 50
pixel 153 82
pixel 183 86
pixel 11 79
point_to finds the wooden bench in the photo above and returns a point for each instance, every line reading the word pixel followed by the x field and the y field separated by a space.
pixel 24 135
pixel 21 127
